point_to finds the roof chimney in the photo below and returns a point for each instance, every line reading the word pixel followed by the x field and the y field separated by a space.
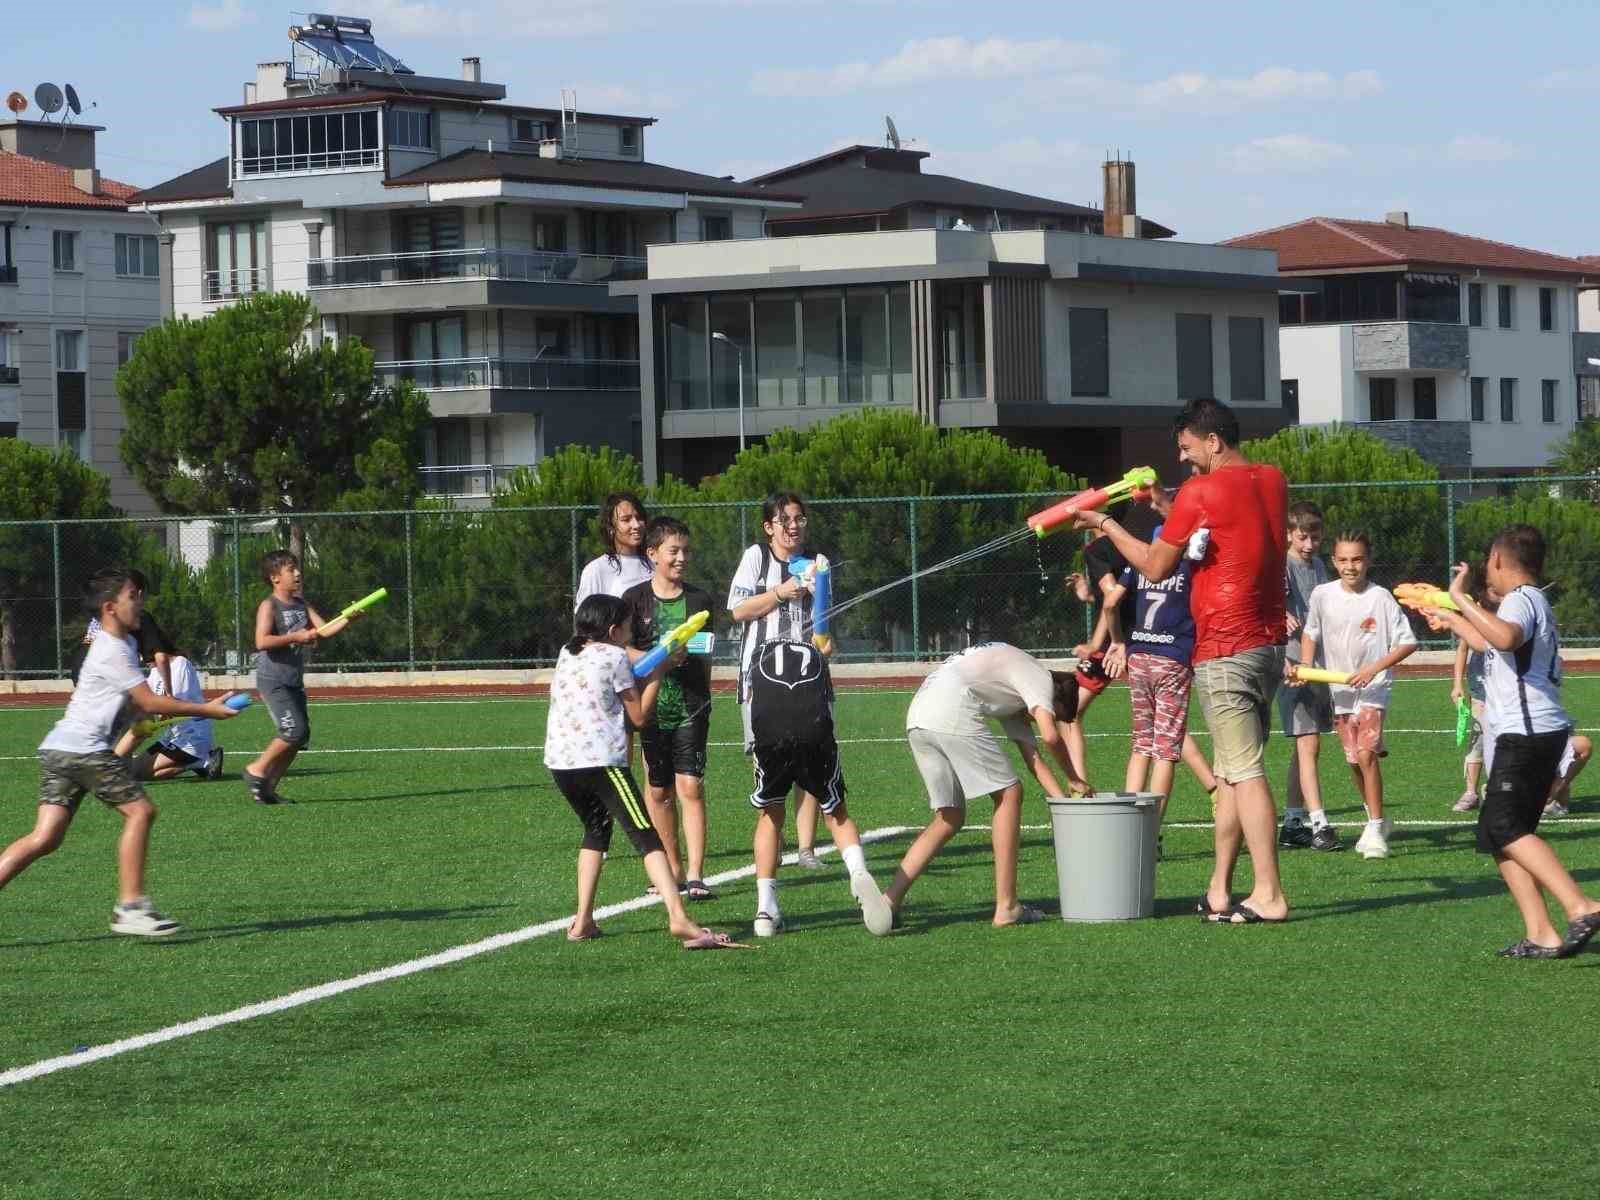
pixel 1400 219
pixel 1121 200
pixel 86 179
pixel 472 70
pixel 272 81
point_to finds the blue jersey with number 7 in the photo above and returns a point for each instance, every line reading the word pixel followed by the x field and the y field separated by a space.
pixel 1163 624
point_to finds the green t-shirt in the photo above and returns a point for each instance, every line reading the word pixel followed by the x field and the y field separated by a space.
pixel 670 710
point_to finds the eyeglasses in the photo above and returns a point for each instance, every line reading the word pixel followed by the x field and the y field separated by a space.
pixel 792 522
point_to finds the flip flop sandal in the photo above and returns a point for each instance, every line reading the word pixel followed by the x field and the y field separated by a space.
pixel 594 932
pixel 1527 948
pixel 1579 931
pixel 708 940
pixel 1028 916
pixel 1243 914
pixel 696 889
pixel 1203 908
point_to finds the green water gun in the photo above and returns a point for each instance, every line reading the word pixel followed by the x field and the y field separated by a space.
pixel 1463 721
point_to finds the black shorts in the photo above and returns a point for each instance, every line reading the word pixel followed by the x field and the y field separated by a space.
pixel 814 766
pixel 172 754
pixel 672 752
pixel 604 795
pixel 1513 801
pixel 286 705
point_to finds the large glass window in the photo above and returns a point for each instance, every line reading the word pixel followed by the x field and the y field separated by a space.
pixel 1089 344
pixel 314 142
pixel 411 130
pixel 822 315
pixel 1247 358
pixel 1354 298
pixel 1380 400
pixel 866 346
pixel 687 335
pixel 1475 305
pixel 963 370
pixel 730 316
pixel 1425 399
pixel 900 341
pixel 1433 298
pixel 137 255
pixel 72 392
pixel 1194 356
pixel 777 351
pixel 1480 403
pixel 237 261
pixel 1508 400
pixel 1289 309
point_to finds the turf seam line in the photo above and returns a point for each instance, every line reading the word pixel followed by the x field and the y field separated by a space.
pixel 324 991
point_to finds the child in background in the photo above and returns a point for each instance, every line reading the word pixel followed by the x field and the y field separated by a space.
pixel 76 758
pixel 675 739
pixel 1579 749
pixel 622 563
pixel 1358 627
pixel 184 747
pixel 1526 735
pixel 1466 683
pixel 1304 709
pixel 593 698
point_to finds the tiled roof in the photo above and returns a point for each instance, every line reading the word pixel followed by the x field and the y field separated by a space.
pixel 1331 243
pixel 203 183
pixel 473 165
pixel 25 180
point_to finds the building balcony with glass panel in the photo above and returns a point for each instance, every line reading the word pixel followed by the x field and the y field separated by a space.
pixel 544 373
pixel 470 278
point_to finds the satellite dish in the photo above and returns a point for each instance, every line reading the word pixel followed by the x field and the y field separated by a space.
pixel 48 97
pixel 894 134
pixel 16 102
pixel 72 100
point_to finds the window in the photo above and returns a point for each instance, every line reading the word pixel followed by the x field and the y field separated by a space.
pixel 412 130
pixel 1354 298
pixel 437 229
pixel 1480 403
pixel 1194 356
pixel 125 344
pixel 314 142
pixel 237 260
pixel 1247 359
pixel 777 350
pixel 1588 398
pixel 1289 309
pixel 822 316
pixel 1508 305
pixel 1380 400
pixel 8 269
pixel 1475 305
pixel 64 250
pixel 1547 400
pixel 1508 400
pixel 549 232
pixel 137 255
pixel 1433 298
pixel 1547 308
pixel 867 346
pixel 1290 391
pixel 729 316
pixel 1089 343
pixel 72 393
pixel 963 353
pixel 526 129
pixel 715 227
pixel 1425 399
pixel 629 139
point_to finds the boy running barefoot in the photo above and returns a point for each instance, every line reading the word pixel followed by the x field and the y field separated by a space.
pixel 76 757
pixel 1358 627
pixel 959 759
pixel 675 739
pixel 1526 732
pixel 1305 709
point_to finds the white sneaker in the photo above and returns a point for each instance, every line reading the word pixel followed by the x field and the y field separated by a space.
pixel 141 920
pixel 1556 809
pixel 1374 842
pixel 875 910
pixel 769 924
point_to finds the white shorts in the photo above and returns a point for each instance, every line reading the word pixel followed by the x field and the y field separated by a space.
pixel 958 767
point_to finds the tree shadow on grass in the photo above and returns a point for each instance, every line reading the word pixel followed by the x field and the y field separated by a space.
pixel 471 791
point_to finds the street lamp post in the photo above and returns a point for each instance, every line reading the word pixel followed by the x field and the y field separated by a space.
pixel 719 336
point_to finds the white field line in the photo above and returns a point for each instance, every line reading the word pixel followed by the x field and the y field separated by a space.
pixel 324 991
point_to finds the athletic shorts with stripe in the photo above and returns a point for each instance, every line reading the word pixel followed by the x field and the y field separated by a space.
pixel 812 765
pixel 602 796
pixel 1158 688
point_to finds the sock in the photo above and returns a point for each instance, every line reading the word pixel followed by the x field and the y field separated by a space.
pixel 767 896
pixel 1294 816
pixel 1374 822
pixel 1319 820
pixel 855 860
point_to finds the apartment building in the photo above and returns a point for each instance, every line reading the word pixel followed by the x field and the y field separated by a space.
pixel 1586 342
pixel 79 282
pixel 468 241
pixel 1465 349
pixel 1081 345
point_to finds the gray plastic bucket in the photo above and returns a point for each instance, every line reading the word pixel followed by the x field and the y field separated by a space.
pixel 1106 855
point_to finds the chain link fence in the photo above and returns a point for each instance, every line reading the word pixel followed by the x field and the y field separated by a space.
pixel 492 587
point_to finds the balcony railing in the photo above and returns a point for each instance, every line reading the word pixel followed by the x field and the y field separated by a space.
pixel 8 274
pixel 473 479
pixel 13 375
pixel 241 281
pixel 539 266
pixel 540 374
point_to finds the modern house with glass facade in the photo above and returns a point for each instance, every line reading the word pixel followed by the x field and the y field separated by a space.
pixel 469 242
pixel 1467 350
pixel 1081 345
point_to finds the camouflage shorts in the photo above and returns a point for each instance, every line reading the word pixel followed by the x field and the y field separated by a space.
pixel 65 779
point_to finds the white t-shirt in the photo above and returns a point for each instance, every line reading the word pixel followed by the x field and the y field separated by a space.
pixel 1353 629
pixel 94 717
pixel 194 735
pixel 989 680
pixel 786 622
pixel 587 726
pixel 611 576
pixel 1522 687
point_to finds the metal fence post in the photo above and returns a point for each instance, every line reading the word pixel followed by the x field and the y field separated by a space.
pixel 55 557
pixel 238 602
pixel 572 538
pixel 411 612
pixel 1449 532
pixel 916 594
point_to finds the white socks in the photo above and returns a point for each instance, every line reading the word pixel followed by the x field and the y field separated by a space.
pixel 855 859
pixel 767 897
pixel 1319 820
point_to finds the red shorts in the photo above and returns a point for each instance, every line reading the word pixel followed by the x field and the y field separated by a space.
pixel 1092 677
pixel 1158 687
pixel 1360 730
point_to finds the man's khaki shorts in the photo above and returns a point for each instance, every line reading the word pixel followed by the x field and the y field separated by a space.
pixel 1235 694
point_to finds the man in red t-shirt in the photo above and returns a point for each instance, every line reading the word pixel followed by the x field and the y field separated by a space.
pixel 1239 629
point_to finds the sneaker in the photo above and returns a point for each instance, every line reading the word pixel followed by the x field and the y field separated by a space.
pixel 257 787
pixel 807 857
pixel 1295 835
pixel 213 770
pixel 1467 803
pixel 1556 809
pixel 769 924
pixel 1326 838
pixel 876 912
pixel 141 920
pixel 1374 842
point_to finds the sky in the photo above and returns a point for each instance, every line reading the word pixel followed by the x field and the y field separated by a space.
pixel 1471 116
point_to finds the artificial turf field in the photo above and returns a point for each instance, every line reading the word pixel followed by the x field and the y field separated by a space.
pixel 1372 1047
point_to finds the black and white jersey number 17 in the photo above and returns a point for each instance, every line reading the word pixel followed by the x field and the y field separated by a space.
pixel 790 663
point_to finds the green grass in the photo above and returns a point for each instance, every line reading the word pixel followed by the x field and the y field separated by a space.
pixel 1372 1047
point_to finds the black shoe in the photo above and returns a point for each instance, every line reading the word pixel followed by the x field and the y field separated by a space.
pixel 1326 838
pixel 1295 835
pixel 213 767
pixel 259 791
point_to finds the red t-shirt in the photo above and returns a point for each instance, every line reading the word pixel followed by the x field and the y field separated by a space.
pixel 1238 587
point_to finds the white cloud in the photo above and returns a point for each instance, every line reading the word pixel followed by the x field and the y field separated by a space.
pixel 619 98
pixel 930 59
pixel 219 18
pixel 1472 148
pixel 1568 79
pixel 547 19
pixel 1296 152
pixel 1193 92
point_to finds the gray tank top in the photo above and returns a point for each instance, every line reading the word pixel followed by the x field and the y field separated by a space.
pixel 287 663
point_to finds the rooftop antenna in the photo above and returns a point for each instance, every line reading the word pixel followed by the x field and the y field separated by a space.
pixel 49 98
pixel 17 103
pixel 893 133
pixel 73 102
